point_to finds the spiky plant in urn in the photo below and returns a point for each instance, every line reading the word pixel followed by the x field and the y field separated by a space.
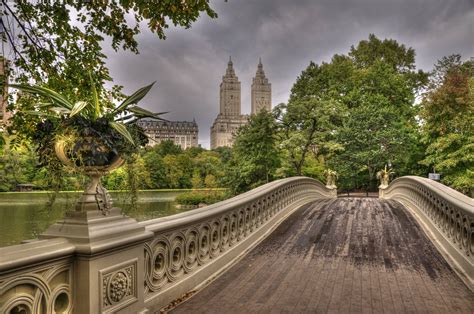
pixel 91 137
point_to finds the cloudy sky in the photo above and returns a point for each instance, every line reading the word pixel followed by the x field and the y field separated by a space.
pixel 287 34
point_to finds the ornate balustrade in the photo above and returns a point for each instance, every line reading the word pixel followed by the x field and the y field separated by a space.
pixel 446 215
pixel 91 263
pixel 191 247
pixel 37 277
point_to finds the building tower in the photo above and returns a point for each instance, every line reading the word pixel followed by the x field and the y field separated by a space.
pixel 230 93
pixel 229 118
pixel 261 91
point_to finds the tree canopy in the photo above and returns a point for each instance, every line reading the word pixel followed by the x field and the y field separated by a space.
pixel 255 156
pixel 60 43
pixel 448 122
pixel 363 105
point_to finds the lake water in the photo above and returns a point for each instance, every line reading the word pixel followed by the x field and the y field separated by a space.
pixel 24 215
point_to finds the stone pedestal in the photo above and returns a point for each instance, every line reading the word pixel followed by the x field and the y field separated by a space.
pixel 109 263
pixel 333 189
pixel 382 189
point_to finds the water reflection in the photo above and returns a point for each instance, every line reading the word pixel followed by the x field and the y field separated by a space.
pixel 25 215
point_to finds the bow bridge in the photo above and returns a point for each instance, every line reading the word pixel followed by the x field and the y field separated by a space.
pixel 288 246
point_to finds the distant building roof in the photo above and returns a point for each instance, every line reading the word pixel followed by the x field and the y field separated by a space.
pixel 160 123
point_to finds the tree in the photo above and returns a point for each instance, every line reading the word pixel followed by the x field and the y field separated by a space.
pixel 207 168
pixel 178 171
pixel 167 147
pixel 309 122
pixel 372 136
pixel 58 43
pixel 307 126
pixel 448 129
pixel 17 165
pixel 155 167
pixel 363 103
pixel 53 39
pixel 255 156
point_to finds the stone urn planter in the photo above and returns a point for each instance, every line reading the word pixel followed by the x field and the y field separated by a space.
pixel 95 196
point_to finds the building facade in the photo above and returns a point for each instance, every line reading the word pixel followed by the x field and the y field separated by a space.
pixel 182 133
pixel 230 118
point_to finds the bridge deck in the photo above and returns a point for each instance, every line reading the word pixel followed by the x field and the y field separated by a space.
pixel 343 255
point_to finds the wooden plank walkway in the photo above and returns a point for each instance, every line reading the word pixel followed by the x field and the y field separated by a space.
pixel 350 255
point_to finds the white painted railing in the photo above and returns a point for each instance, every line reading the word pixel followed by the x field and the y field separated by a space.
pixel 446 215
pixel 91 263
pixel 190 248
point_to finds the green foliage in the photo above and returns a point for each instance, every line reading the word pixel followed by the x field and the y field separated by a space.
pixel 59 45
pixel 372 136
pixel 167 166
pixel 201 197
pixel 448 129
pixel 92 131
pixel 167 148
pixel 255 156
pixel 208 170
pixel 356 113
pixel 178 171
pixel 19 165
pixel 306 126
pixel 56 41
pixel 16 167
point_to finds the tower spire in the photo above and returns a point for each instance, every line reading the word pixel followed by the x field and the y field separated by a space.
pixel 229 73
pixel 261 90
pixel 260 73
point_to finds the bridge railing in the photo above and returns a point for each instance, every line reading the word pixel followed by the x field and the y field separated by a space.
pixel 90 263
pixel 191 247
pixel 446 215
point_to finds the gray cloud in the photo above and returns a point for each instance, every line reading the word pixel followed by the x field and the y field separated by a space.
pixel 188 66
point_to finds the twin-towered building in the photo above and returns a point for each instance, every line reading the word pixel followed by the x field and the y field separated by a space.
pixel 230 117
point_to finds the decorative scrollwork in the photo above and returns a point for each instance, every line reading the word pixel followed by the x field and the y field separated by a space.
pixel 449 211
pixel 118 285
pixel 42 290
pixel 171 256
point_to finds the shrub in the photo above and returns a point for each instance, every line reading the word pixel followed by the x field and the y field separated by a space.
pixel 201 197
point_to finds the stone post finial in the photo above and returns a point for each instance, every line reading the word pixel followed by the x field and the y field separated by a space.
pixel 331 176
pixel 384 177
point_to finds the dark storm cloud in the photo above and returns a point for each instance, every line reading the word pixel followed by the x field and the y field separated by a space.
pixel 188 66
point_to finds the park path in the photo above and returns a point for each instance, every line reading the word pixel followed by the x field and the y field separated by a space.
pixel 347 255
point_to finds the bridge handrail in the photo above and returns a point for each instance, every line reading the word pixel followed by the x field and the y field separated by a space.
pixel 191 247
pixel 43 266
pixel 172 255
pixel 446 214
pixel 169 222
